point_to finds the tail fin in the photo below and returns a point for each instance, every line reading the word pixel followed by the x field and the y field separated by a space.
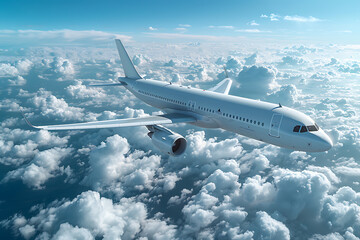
pixel 129 69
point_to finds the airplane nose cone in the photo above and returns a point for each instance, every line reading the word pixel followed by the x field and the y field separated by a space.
pixel 324 141
pixel 321 142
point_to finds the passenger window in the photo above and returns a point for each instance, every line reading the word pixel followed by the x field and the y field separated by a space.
pixel 296 128
pixel 303 129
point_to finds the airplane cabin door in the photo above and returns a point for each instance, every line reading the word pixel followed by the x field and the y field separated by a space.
pixel 191 105
pixel 274 130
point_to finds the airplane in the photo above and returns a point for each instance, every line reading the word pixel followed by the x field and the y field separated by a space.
pixel 213 108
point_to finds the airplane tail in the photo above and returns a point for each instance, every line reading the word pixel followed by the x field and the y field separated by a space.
pixel 128 66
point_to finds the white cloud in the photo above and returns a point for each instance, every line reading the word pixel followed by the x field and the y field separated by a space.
pixel 270 228
pixel 152 29
pixel 256 82
pixel 140 59
pixel 253 23
pixel 52 106
pixel 181 29
pixel 251 60
pixel 296 18
pixel 274 17
pixel 113 166
pixel 288 94
pixel 222 27
pixel 80 91
pixel 91 213
pixel 45 165
pixel 181 36
pixel 18 146
pixel 6 69
pixel 27 231
pixel 66 231
pixel 225 177
pixel 200 147
pixel 66 35
pixel 254 30
pixel 291 61
pixel 18 81
pixel 63 66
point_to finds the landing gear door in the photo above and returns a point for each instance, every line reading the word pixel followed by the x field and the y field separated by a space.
pixel 274 130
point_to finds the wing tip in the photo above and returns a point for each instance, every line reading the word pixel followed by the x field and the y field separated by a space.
pixel 27 120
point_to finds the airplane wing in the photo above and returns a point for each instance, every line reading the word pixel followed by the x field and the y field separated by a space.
pixel 222 87
pixel 128 122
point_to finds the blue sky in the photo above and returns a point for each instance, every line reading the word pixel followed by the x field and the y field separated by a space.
pixel 330 21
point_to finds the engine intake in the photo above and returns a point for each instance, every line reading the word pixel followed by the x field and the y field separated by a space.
pixel 167 141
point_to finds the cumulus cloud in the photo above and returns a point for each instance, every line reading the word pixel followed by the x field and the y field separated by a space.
pixel 18 81
pixel 291 61
pixel 94 216
pixel 44 165
pixel 270 228
pixel 251 60
pixel 287 94
pixel 52 106
pixel 6 69
pixel 256 82
pixel 199 146
pixel 111 165
pixel 62 66
pixel 80 91
pixel 225 186
pixel 17 145
pixel 140 59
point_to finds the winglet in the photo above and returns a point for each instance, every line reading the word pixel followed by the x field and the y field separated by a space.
pixel 128 66
pixel 27 120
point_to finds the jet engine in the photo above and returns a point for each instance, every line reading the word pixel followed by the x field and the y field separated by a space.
pixel 167 141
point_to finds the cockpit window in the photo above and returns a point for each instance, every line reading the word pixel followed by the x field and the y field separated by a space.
pixel 312 128
pixel 296 128
pixel 303 129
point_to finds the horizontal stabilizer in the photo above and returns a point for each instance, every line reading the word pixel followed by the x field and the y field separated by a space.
pixel 222 87
pixel 128 122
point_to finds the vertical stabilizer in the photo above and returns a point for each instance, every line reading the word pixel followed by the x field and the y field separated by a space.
pixel 128 66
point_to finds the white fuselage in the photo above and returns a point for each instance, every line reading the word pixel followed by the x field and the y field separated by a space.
pixel 267 122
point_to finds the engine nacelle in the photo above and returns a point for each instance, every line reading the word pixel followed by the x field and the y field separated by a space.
pixel 167 141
